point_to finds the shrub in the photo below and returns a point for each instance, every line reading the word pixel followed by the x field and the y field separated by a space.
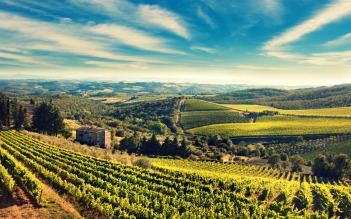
pixel 143 163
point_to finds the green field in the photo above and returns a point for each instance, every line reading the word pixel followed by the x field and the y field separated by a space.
pixel 343 147
pixel 279 125
pixel 328 112
pixel 201 105
pixel 202 118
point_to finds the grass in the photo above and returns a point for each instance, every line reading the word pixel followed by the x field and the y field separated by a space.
pixel 201 105
pixel 343 147
pixel 202 118
pixel 279 125
pixel 327 112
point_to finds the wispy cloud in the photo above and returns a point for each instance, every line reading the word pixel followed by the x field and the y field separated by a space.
pixel 272 7
pixel 59 38
pixel 155 15
pixel 278 46
pixel 343 40
pixel 335 11
pixel 132 37
pixel 21 58
pixel 133 65
pixel 147 16
pixel 329 58
pixel 203 49
pixel 11 49
pixel 206 18
pixel 264 68
pixel 285 55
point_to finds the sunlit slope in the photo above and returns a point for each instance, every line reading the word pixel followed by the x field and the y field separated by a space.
pixel 201 105
pixel 328 112
pixel 343 147
pixel 279 125
pixel 195 119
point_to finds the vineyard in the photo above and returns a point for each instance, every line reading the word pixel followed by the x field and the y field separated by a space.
pixel 291 193
pixel 311 148
pixel 175 188
pixel 327 112
pixel 343 147
pixel 279 125
pixel 202 118
pixel 200 105
pixel 199 113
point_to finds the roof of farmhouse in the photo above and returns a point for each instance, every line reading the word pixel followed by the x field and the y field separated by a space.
pixel 90 129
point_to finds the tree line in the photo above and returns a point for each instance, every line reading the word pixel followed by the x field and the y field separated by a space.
pixel 336 96
pixel 152 146
pixel 336 166
pixel 46 117
pixel 13 113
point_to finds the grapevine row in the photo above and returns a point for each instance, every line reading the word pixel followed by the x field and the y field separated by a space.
pixel 21 174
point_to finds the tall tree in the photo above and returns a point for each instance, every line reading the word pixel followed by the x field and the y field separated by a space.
pixel 174 147
pixel 166 147
pixel 47 119
pixel 153 145
pixel 3 108
pixel 21 117
pixel 321 166
pixel 342 165
pixel 183 151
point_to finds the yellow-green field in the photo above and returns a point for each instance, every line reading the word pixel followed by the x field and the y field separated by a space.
pixel 201 105
pixel 279 125
pixel 329 112
pixel 195 119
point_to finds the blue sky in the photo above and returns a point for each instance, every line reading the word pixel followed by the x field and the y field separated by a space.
pixel 285 42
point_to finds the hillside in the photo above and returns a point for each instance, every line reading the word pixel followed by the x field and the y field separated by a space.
pixel 200 105
pixel 326 112
pixel 325 97
pixel 199 113
pixel 110 89
pixel 177 188
pixel 343 147
pixel 278 125
pixel 196 119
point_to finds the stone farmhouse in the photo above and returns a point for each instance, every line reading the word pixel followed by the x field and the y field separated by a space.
pixel 94 136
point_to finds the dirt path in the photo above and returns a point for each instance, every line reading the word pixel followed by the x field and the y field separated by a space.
pixel 180 108
pixel 21 205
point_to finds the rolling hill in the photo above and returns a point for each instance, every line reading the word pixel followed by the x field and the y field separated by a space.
pixel 324 97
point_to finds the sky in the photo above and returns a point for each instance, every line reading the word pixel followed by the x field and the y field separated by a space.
pixel 263 42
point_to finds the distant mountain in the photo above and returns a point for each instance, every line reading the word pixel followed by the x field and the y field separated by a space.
pixel 89 88
pixel 322 97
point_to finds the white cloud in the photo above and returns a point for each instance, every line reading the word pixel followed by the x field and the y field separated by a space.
pixel 133 65
pixel 59 38
pixel 20 58
pixel 333 12
pixel 329 58
pixel 150 16
pixel 204 49
pixel 343 40
pixel 206 18
pixel 155 15
pixel 285 55
pixel 133 38
pixel 11 49
pixel 271 6
pixel 264 68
